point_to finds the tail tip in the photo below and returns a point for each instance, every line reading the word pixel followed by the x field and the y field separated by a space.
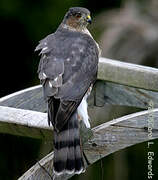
pixel 66 171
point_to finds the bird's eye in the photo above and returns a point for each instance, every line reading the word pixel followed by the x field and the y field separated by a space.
pixel 78 15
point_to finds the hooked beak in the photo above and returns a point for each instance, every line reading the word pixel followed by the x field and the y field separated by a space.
pixel 89 20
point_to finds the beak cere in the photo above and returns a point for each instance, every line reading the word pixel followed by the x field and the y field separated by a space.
pixel 89 20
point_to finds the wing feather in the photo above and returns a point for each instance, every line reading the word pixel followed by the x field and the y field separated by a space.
pixel 67 69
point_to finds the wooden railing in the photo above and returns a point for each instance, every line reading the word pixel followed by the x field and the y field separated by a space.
pixel 23 113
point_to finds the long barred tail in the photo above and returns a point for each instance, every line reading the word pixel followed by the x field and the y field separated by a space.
pixel 67 149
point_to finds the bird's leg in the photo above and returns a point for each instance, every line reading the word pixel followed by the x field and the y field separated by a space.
pixel 85 157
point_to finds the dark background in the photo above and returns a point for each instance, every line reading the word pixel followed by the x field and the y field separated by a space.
pixel 22 24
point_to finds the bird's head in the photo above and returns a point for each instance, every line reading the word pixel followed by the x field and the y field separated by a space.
pixel 77 17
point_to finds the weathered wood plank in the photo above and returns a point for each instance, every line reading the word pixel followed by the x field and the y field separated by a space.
pixel 115 94
pixel 128 74
pixel 107 138
pixel 24 123
pixel 30 98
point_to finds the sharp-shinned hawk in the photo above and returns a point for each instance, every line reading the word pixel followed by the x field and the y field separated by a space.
pixel 67 71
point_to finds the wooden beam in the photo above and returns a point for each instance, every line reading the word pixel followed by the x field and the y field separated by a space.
pixel 24 123
pixel 117 94
pixel 30 98
pixel 107 138
pixel 128 74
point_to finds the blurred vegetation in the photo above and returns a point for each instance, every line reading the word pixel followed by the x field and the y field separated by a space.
pixel 22 24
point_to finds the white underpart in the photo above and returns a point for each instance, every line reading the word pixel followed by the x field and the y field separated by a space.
pixel 82 111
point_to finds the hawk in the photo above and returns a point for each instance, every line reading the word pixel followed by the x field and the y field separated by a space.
pixel 67 71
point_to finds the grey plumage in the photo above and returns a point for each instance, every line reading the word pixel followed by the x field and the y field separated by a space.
pixel 67 68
